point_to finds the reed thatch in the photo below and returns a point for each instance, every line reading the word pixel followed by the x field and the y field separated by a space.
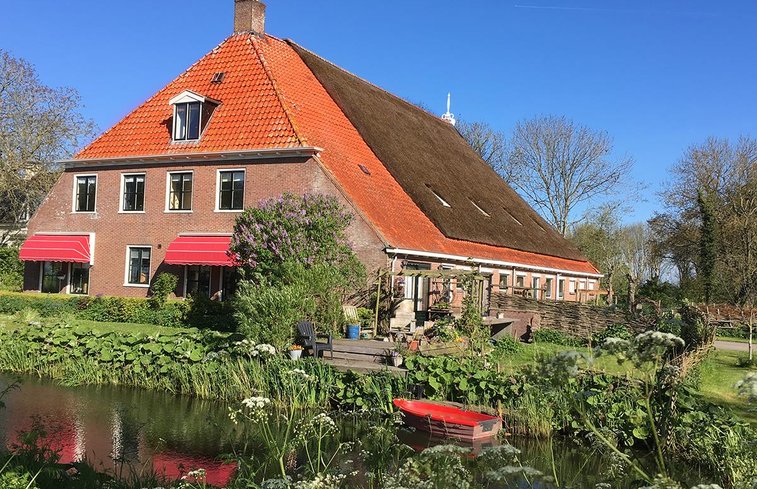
pixel 429 158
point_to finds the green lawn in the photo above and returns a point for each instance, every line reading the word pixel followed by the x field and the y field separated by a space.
pixel 734 339
pixel 719 373
pixel 530 352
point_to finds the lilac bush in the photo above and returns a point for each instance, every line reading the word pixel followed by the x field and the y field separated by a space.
pixel 293 229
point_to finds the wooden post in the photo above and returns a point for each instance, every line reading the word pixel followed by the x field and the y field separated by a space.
pixel 378 301
pixel 751 334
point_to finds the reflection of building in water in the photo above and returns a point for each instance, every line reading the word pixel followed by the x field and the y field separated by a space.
pixel 114 428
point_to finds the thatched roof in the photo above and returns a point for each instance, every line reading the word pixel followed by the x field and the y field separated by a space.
pixel 432 162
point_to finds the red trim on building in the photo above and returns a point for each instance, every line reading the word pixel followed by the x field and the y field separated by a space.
pixel 200 250
pixel 56 247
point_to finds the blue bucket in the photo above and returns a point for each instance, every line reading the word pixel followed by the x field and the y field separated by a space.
pixel 353 331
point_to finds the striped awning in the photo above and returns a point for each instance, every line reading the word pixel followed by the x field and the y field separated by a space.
pixel 57 247
pixel 200 250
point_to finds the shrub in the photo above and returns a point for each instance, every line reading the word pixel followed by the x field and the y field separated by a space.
pixel 11 269
pixel 204 313
pixel 163 286
pixel 743 361
pixel 268 312
pixel 557 338
pixel 613 331
pixel 104 309
pixel 303 230
pixel 507 345
pixel 695 330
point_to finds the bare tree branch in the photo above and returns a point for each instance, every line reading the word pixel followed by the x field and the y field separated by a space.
pixel 38 125
pixel 557 165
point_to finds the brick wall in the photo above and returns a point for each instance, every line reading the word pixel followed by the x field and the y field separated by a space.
pixel 156 227
pixel 573 318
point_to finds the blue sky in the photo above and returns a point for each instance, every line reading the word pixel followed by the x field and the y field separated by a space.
pixel 657 75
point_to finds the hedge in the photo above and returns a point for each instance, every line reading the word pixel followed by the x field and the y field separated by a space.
pixel 199 314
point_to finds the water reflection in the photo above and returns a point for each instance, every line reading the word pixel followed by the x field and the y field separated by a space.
pixel 119 429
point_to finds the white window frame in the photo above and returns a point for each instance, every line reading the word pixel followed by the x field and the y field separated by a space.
pixel 548 289
pixel 168 210
pixel 123 187
pixel 591 284
pixel 126 266
pixel 218 188
pixel 74 200
pixel 572 286
pixel 186 97
pixel 560 294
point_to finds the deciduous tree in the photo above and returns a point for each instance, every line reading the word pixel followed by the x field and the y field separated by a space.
pixel 38 125
pixel 558 165
pixel 490 144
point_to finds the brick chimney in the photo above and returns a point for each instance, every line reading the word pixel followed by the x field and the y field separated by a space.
pixel 249 16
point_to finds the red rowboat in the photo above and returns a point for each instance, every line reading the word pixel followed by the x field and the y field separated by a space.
pixel 448 421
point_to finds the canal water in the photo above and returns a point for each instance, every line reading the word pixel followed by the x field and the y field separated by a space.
pixel 122 430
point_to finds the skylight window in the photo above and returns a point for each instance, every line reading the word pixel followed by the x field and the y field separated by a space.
pixel 191 114
pixel 512 216
pixel 537 223
pixel 479 208
pixel 439 197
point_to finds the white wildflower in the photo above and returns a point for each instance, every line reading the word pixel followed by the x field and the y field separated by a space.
pixel 298 372
pixel 256 402
pixel 265 348
pixel 197 475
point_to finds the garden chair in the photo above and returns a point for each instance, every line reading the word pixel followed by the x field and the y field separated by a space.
pixel 309 339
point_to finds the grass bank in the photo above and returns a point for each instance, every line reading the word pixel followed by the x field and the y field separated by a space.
pixel 718 374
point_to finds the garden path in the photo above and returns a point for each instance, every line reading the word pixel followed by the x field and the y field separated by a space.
pixel 731 345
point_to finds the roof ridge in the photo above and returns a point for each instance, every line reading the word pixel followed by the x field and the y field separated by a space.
pixel 377 87
pixel 279 96
pixel 153 96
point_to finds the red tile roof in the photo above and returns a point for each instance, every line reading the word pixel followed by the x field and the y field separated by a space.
pixel 271 99
pixel 250 115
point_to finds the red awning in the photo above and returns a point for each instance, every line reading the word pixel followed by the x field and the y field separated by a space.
pixel 57 247
pixel 200 250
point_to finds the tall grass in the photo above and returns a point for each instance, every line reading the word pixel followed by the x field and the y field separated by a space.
pixel 228 379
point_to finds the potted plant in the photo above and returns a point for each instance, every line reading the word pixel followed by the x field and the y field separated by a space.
pixel 395 358
pixel 295 351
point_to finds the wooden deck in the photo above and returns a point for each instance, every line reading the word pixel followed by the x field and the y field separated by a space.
pixel 362 356
pixel 372 355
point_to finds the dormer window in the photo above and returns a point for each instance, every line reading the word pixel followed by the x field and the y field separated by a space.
pixel 191 113
pixel 187 123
